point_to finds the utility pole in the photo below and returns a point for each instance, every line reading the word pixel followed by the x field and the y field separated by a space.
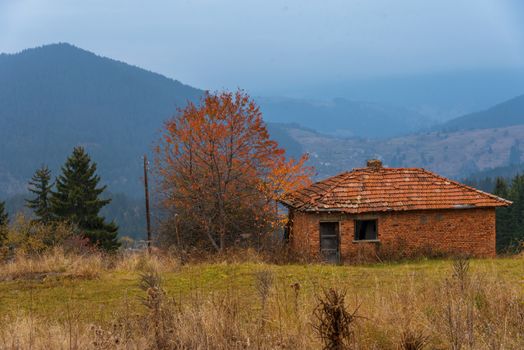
pixel 148 217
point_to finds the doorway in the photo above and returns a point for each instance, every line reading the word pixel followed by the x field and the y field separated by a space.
pixel 329 242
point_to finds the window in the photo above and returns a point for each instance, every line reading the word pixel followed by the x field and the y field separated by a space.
pixel 366 230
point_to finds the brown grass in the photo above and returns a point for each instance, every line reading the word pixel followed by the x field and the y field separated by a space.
pixel 52 263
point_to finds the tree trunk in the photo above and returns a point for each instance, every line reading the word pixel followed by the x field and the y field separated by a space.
pixel 212 240
pixel 222 240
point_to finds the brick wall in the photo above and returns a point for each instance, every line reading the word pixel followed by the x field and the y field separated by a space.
pixel 469 231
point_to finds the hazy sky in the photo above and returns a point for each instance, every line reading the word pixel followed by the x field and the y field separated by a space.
pixel 266 45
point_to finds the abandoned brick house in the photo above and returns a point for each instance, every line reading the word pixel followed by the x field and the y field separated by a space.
pixel 400 208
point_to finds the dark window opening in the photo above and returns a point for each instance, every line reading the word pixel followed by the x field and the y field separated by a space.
pixel 366 230
pixel 329 241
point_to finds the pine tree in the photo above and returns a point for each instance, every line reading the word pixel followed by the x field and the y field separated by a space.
pixel 77 200
pixel 41 186
pixel 516 213
pixel 4 220
pixel 503 215
pixel 501 188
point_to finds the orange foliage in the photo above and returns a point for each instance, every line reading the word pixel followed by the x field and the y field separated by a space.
pixel 221 172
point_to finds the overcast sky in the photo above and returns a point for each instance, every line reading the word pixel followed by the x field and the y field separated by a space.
pixel 265 45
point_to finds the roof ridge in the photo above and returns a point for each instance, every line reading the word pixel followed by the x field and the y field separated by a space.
pixel 386 168
pixel 492 196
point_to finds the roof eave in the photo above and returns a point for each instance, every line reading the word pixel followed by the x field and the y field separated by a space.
pixel 390 210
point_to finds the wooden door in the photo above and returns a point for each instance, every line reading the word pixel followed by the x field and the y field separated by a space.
pixel 329 242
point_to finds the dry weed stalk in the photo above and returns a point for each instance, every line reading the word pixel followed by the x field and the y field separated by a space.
pixel 459 309
pixel 461 272
pixel 411 340
pixel 264 282
pixel 334 323
pixel 296 292
pixel 160 317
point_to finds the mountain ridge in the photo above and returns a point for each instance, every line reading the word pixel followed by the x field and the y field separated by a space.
pixel 344 117
pixel 506 113
pixel 58 96
pixel 77 49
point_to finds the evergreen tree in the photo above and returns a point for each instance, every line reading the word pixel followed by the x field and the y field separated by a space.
pixel 503 215
pixel 77 200
pixel 516 213
pixel 501 188
pixel 41 185
pixel 4 220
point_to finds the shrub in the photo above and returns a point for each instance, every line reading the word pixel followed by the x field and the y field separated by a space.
pixel 25 236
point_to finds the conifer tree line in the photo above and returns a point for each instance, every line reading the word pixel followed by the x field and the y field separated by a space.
pixel 74 197
pixel 510 220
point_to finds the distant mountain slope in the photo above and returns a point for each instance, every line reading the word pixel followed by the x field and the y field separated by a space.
pixel 442 95
pixel 58 96
pixel 344 117
pixel 501 115
pixel 453 154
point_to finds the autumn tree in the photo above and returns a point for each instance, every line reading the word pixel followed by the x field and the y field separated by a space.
pixel 221 174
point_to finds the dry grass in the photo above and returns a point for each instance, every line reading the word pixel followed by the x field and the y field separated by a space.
pixel 160 262
pixel 156 303
pixel 52 263
pixel 59 264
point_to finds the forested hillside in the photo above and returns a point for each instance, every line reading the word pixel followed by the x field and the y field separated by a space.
pixel 453 154
pixel 58 96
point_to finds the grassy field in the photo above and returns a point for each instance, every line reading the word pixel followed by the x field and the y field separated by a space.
pixel 390 299
pixel 105 293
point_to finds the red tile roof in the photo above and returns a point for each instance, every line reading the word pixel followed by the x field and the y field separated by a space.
pixel 377 189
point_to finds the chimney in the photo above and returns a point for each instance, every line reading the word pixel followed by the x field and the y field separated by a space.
pixel 374 164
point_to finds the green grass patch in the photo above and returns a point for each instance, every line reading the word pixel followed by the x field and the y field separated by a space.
pixel 93 300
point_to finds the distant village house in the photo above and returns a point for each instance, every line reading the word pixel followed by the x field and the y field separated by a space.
pixel 396 208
